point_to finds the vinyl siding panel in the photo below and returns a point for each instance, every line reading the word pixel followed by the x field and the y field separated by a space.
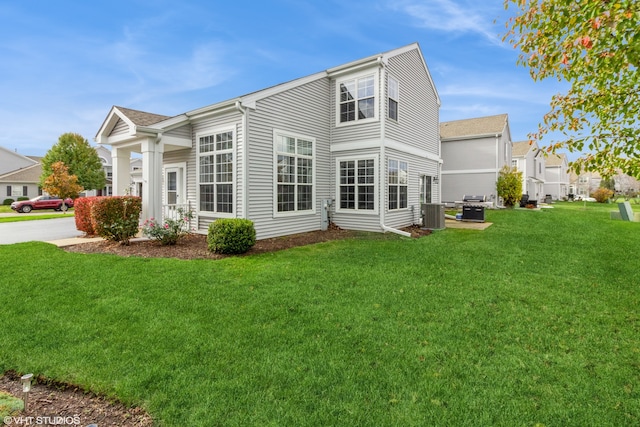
pixel 121 128
pixel 470 154
pixel 454 186
pixel 233 121
pixel 418 123
pixel 416 168
pixel 302 111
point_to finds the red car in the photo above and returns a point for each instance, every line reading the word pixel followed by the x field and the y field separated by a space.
pixel 42 202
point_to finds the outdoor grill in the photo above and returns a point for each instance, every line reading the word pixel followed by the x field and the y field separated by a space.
pixel 473 208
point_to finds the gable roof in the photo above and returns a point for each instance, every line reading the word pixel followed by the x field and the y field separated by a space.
pixel 142 118
pixel 476 127
pixel 30 174
pixel 521 148
pixel 556 159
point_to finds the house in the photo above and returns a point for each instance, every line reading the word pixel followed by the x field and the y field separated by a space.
pixel 135 188
pixel 530 160
pixel 356 145
pixel 585 183
pixel 473 152
pixel 557 176
pixel 19 175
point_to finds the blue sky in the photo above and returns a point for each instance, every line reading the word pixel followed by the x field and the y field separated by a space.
pixel 64 63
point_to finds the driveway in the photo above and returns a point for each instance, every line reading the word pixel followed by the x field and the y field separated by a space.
pixel 44 230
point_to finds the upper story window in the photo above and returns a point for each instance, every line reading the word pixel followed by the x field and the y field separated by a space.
pixel 294 172
pixel 357 99
pixel 215 172
pixel 514 163
pixel 394 98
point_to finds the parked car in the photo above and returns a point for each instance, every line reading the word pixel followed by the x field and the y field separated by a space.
pixel 42 202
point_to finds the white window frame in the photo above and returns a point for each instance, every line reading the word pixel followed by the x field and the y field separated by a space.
pixel 376 194
pixel 233 150
pixel 393 97
pixel 277 134
pixel 398 184
pixel 355 78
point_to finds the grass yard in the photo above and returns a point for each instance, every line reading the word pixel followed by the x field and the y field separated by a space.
pixel 532 322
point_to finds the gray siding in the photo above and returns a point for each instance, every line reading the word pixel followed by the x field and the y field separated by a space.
pixel 454 186
pixel 234 121
pixel 303 110
pixel 469 154
pixel 120 128
pixel 418 122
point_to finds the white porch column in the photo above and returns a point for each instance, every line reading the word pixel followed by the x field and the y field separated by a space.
pixel 121 171
pixel 152 156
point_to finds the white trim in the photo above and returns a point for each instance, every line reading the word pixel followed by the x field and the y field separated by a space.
pixel 234 150
pixel 464 171
pixel 355 145
pixel 376 184
pixel 375 74
pixel 296 212
pixel 181 182
pixel 409 149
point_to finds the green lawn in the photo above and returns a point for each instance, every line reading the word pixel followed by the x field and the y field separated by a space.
pixel 532 322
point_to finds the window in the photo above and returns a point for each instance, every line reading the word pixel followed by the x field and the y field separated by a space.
pixel 9 191
pixel 514 163
pixel 25 190
pixel 398 194
pixel 394 97
pixel 294 173
pixel 215 172
pixel 357 99
pixel 356 184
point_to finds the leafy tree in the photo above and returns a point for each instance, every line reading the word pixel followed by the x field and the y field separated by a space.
pixel 509 185
pixel 608 183
pixel 60 183
pixel 81 159
pixel 595 46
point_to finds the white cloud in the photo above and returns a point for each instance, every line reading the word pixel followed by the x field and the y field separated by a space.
pixel 450 16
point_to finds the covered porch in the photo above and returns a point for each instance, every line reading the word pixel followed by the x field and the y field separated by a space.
pixel 132 134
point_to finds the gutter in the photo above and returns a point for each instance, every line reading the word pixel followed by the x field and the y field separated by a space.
pixel 245 172
pixel 381 166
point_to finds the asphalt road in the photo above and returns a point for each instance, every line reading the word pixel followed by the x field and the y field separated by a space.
pixel 44 230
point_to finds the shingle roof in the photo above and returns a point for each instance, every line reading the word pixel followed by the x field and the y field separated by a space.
pixel 142 118
pixel 473 127
pixel 28 174
pixel 555 159
pixel 520 148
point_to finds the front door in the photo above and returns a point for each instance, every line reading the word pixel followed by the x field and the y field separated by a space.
pixel 175 191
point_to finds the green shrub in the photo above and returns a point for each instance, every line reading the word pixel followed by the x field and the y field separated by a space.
pixel 169 231
pixel 231 236
pixel 21 198
pixel 602 195
pixel 509 185
pixel 116 218
pixel 7 202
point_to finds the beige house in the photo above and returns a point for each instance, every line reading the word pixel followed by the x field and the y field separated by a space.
pixel 19 175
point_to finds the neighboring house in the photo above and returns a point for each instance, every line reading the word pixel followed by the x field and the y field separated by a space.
pixel 357 145
pixel 135 185
pixel 557 176
pixel 529 160
pixel 585 183
pixel 19 175
pixel 473 152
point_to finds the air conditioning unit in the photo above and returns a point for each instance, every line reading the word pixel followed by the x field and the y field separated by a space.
pixel 432 216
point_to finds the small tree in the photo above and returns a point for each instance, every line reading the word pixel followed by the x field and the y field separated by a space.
pixel 61 184
pixel 509 185
pixel 82 160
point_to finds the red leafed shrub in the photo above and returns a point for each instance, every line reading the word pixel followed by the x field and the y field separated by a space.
pixel 117 218
pixel 82 207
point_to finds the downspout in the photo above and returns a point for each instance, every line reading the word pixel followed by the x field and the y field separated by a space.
pixel 497 199
pixel 383 120
pixel 245 173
